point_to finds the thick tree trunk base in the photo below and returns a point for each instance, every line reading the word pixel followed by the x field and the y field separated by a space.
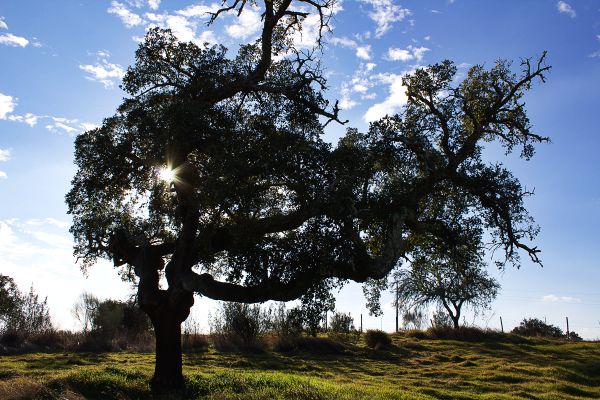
pixel 168 371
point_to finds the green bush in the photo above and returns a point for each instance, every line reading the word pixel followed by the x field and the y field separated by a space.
pixel 538 328
pixel 341 323
pixel 237 326
pixel 377 339
pixel 285 322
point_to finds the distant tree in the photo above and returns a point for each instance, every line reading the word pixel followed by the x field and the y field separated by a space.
pixel 108 318
pixel 84 310
pixel 314 306
pixel 10 302
pixel 240 321
pixel 449 274
pixel 23 313
pixel 538 328
pixel 341 323
pixel 215 165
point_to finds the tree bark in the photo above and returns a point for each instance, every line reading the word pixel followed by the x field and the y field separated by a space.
pixel 168 372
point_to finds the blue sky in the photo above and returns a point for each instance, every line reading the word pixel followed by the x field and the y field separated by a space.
pixel 61 63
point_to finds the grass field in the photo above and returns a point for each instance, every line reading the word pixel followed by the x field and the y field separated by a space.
pixel 412 369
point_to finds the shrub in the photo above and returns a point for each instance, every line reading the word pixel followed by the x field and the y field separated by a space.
pixel 464 333
pixel 238 326
pixel 574 336
pixel 23 313
pixel 416 333
pixel 441 319
pixel 377 339
pixel 341 323
pixel 286 322
pixel 194 342
pixel 538 328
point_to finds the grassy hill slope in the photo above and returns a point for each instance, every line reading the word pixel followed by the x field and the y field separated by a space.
pixel 412 369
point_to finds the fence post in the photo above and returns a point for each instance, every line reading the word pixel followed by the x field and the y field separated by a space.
pixel 501 325
pixel 360 323
pixel 568 334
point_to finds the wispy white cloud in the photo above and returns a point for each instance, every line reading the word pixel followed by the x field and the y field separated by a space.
pixel 384 13
pixel 11 40
pixel 358 86
pixel 362 51
pixel 199 10
pixel 63 125
pixel 103 71
pixel 56 124
pixel 29 119
pixel 129 18
pixel 47 221
pixel 4 154
pixel 184 25
pixel 3 24
pixel 551 298
pixel 565 8
pixel 246 25
pixel 393 103
pixel 154 4
pixel 7 105
pixel 408 54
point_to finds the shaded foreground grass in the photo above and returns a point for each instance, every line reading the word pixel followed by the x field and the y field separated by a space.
pixel 411 369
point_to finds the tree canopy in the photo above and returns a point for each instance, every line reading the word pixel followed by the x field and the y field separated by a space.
pixel 260 207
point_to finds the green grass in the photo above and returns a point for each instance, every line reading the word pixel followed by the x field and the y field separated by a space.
pixel 411 369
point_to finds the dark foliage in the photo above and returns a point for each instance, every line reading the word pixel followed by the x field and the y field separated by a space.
pixel 537 328
pixel 237 326
pixel 23 313
pixel 377 339
pixel 341 322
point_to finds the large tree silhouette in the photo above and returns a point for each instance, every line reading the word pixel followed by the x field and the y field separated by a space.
pixel 259 206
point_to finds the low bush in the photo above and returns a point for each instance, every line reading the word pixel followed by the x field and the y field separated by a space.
pixel 377 339
pixel 238 325
pixel 463 333
pixel 535 327
pixel 416 334
pixel 341 323
pixel 194 343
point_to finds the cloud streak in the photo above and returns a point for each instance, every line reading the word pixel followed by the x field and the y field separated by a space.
pixel 9 39
pixel 7 105
pixel 103 71
pixel 560 299
pixel 408 54
pixel 565 8
pixel 385 13
pixel 129 18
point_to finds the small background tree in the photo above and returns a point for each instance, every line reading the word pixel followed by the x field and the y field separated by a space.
pixel 448 274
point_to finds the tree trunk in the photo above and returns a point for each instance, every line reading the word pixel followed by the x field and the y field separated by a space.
pixel 168 372
pixel 455 321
